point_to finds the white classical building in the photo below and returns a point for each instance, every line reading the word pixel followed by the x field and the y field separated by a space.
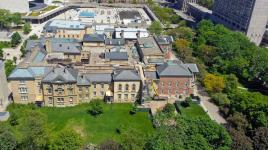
pixel 21 6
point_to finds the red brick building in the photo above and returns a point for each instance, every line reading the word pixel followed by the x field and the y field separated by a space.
pixel 176 79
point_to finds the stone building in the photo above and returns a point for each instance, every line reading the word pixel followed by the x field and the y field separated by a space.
pixel 126 86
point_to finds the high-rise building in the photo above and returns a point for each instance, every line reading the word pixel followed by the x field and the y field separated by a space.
pixel 183 4
pixel 248 16
pixel 21 6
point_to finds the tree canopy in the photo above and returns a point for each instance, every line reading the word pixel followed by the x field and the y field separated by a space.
pixel 67 139
pixel 156 28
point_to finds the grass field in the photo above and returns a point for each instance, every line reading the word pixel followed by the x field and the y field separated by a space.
pixel 97 129
pixel 194 110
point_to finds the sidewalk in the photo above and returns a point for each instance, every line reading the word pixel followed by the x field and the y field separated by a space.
pixel 211 109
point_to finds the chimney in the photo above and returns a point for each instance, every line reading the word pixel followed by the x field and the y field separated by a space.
pixel 48 45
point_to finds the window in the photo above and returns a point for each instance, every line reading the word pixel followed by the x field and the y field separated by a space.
pixel 24 98
pixel 95 85
pixel 22 82
pixel 80 89
pixel 87 89
pixel 49 90
pixel 169 92
pixel 23 90
pixel 50 100
pixel 102 85
pixel 80 95
pixel 38 84
pixel 87 95
pixel 102 93
pixel 162 83
pixel 95 93
pixel 60 90
pixel 133 87
pixel 71 100
pixel 177 84
pixel 60 101
pixel 71 91
pixel 169 83
pixel 120 87
pixel 119 96
pixel 127 87
pixel 162 91
pixel 126 96
pixel 133 97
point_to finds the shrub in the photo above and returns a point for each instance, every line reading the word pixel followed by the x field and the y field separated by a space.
pixel 13 120
pixel 187 102
pixel 15 39
pixel 27 28
pixel 134 109
pixel 95 108
pixel 169 109
pixel 220 99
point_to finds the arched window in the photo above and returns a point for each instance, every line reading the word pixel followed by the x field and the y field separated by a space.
pixel 120 87
pixel 127 87
pixel 133 87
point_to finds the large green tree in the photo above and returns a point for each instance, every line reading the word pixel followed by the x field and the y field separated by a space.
pixel 27 28
pixel 34 131
pixel 15 39
pixel 67 139
pixel 261 138
pixel 7 138
pixel 9 67
pixel 156 28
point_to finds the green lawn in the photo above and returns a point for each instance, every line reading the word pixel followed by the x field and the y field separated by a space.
pixel 97 129
pixel 194 110
pixel 39 12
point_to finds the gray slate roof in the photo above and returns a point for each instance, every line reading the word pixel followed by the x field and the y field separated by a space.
pixel 28 73
pixel 173 69
pixel 150 74
pixel 88 79
pixel 116 56
pixel 115 42
pixel 61 75
pixel 33 43
pixel 193 67
pixel 164 39
pixel 69 48
pixel 126 75
pixel 94 38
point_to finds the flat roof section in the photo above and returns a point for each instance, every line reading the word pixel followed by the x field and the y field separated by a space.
pixel 126 14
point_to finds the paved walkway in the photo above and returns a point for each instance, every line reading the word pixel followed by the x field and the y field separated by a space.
pixel 211 109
